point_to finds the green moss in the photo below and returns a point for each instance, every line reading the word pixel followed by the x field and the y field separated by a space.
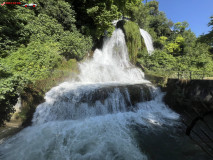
pixel 133 40
pixel 156 79
pixel 33 94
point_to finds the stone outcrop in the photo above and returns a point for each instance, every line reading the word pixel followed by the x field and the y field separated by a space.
pixel 193 100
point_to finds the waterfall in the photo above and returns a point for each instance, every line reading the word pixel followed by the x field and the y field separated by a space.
pixel 111 112
pixel 148 41
pixel 111 64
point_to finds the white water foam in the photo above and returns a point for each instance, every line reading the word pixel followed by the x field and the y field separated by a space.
pixel 111 64
pixel 86 134
pixel 105 137
pixel 148 41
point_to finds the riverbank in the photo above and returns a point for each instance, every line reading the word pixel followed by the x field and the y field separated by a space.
pixel 33 95
pixel 11 128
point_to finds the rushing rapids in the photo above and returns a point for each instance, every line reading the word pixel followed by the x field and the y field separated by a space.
pixel 110 112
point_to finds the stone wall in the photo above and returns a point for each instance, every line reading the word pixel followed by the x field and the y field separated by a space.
pixel 193 100
pixel 189 95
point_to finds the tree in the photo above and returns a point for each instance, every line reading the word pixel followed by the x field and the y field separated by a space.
pixel 127 6
pixel 60 10
pixel 160 60
pixel 75 45
pixel 141 16
pixel 180 27
pixel 208 38
pixel 176 47
pixel 10 84
pixel 10 30
pixel 200 57
pixel 95 17
pixel 103 17
pixel 153 7
pixel 32 44
pixel 45 28
pixel 8 98
pixel 35 61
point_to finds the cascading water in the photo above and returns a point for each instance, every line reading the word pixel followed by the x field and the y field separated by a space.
pixel 148 41
pixel 111 64
pixel 111 112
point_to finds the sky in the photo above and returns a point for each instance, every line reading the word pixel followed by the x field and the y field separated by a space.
pixel 196 12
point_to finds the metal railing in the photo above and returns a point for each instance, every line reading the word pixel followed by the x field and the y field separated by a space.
pixel 194 75
pixel 188 75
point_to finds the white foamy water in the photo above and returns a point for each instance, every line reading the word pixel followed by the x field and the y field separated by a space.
pixel 111 64
pixel 104 137
pixel 93 118
pixel 148 41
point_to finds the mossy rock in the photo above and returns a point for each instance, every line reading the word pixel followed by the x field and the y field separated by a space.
pixel 133 38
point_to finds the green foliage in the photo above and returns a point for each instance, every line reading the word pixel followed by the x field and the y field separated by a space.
pixel 43 28
pixel 208 38
pixel 103 17
pixel 95 17
pixel 141 16
pixel 172 47
pixel 33 94
pixel 189 38
pixel 160 24
pixel 150 18
pixel 211 22
pixel 127 6
pixel 4 73
pixel 32 45
pixel 176 47
pixel 163 39
pixel 199 58
pixel 160 60
pixel 59 10
pixel 180 26
pixel 75 45
pixel 9 88
pixel 11 25
pixel 26 65
pixel 34 61
pixel 153 7
pixel 160 43
pixel 133 39
pixel 7 100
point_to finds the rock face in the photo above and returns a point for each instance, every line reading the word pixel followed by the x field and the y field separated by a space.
pixel 190 96
pixel 92 100
pixel 193 99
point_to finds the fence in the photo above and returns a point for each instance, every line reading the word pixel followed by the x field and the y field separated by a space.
pixel 194 75
pixel 185 74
